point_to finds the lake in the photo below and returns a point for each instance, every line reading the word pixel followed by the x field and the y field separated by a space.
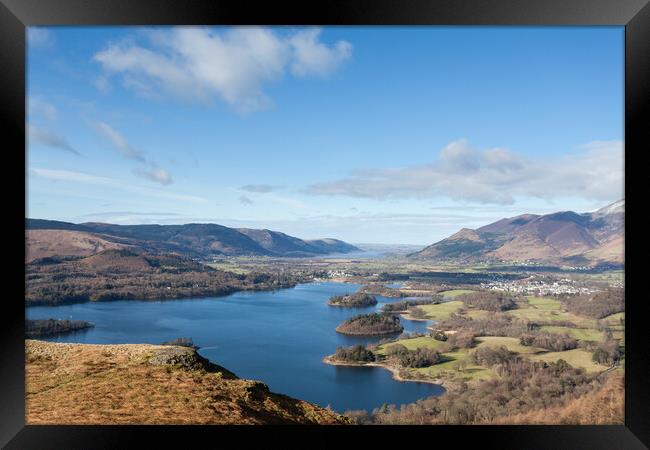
pixel 278 337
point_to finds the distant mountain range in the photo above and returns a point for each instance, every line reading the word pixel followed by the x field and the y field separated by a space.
pixel 562 237
pixel 53 238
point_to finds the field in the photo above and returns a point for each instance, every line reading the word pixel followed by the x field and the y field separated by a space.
pixel 457 365
pixel 229 267
pixel 412 344
pixel 455 292
pixel 551 315
pixel 618 329
pixel 582 334
pixel 441 311
pixel 615 319
pixel 576 357
pixel 510 343
pixel 450 369
pixel 544 303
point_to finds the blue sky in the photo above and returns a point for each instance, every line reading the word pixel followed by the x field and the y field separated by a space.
pixel 367 134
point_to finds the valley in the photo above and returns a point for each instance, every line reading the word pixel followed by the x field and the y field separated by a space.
pixel 401 336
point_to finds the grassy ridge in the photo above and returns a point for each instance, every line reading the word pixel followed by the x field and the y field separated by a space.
pixel 149 384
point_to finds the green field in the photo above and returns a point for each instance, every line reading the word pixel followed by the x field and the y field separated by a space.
pixel 412 344
pixel 614 320
pixel 582 334
pixel 441 311
pixel 535 314
pixel 545 303
pixel 550 315
pixel 510 343
pixel 544 309
pixel 576 357
pixel 455 292
pixel 536 309
pixel 229 268
pixel 448 369
pixel 618 328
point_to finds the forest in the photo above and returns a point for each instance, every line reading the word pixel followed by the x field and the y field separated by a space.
pixel 356 300
pixel 121 275
pixel 371 324
pixel 522 387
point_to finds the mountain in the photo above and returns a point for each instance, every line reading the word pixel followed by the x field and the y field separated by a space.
pixel 332 246
pixel 590 238
pixel 47 238
pixel 46 243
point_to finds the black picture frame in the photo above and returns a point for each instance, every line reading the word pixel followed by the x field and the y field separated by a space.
pixel 15 15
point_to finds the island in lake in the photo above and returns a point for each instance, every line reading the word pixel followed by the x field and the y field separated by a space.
pixel 49 327
pixel 357 300
pixel 371 325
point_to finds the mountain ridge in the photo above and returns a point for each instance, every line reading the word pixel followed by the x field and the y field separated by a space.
pixel 199 240
pixel 564 236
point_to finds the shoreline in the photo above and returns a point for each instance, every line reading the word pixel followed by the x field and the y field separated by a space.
pixel 225 293
pixel 407 316
pixel 393 370
pixel 338 305
pixel 369 334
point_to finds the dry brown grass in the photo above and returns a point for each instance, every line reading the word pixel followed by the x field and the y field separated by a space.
pixel 116 384
pixel 602 407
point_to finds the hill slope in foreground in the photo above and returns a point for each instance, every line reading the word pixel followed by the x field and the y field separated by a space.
pixel 562 237
pixel 149 384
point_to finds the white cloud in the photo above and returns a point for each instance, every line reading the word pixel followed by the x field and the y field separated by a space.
pixel 50 139
pixel 312 57
pixel 131 213
pixel 260 188
pixel 154 174
pixel 128 217
pixel 493 176
pixel 67 175
pixel 151 173
pixel 39 38
pixel 119 143
pixel 80 177
pixel 198 63
pixel 41 108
